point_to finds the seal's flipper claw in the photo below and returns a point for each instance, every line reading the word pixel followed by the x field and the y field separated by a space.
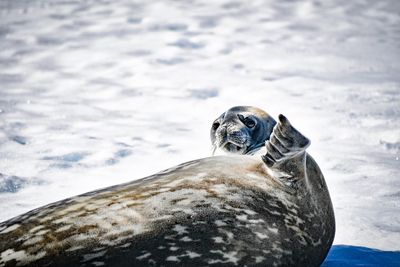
pixel 278 134
pixel 283 120
pixel 278 144
pixel 285 144
pixel 273 151
pixel 295 139
pixel 269 161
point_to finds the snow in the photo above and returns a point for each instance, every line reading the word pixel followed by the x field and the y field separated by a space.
pixel 95 93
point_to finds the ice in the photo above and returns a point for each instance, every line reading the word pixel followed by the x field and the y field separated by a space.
pixel 95 93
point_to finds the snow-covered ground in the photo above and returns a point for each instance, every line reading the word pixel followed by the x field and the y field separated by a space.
pixel 95 93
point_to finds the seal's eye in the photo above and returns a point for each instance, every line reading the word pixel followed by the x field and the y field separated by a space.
pixel 215 125
pixel 247 121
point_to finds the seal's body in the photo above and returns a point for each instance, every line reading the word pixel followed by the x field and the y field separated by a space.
pixel 231 210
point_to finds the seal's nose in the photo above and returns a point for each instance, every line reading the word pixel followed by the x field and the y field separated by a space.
pixel 223 130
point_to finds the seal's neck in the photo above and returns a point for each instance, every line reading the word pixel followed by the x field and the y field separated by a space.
pixel 254 151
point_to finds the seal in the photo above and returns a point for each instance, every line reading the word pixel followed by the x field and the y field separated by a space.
pixel 241 130
pixel 236 210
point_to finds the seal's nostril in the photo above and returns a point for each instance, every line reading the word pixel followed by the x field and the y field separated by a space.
pixel 223 131
pixel 215 125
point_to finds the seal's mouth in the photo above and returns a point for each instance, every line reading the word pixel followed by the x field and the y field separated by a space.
pixel 233 147
pixel 230 142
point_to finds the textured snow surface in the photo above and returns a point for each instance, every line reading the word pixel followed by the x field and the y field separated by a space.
pixel 95 93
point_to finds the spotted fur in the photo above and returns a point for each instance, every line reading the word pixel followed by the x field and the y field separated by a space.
pixel 209 211
pixel 230 210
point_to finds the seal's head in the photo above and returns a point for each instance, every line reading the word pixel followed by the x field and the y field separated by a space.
pixel 241 130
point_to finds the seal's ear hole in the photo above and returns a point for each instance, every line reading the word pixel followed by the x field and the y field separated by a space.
pixel 249 122
pixel 215 125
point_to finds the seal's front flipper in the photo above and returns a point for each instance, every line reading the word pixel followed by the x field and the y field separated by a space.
pixel 286 150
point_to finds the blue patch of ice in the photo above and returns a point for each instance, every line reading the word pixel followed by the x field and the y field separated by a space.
pixel 208 21
pixel 10 78
pixel 19 139
pixel 122 153
pixel 170 61
pixel 134 20
pixel 204 93
pixel 175 27
pixel 390 146
pixel 70 157
pixel 12 184
pixel 187 44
